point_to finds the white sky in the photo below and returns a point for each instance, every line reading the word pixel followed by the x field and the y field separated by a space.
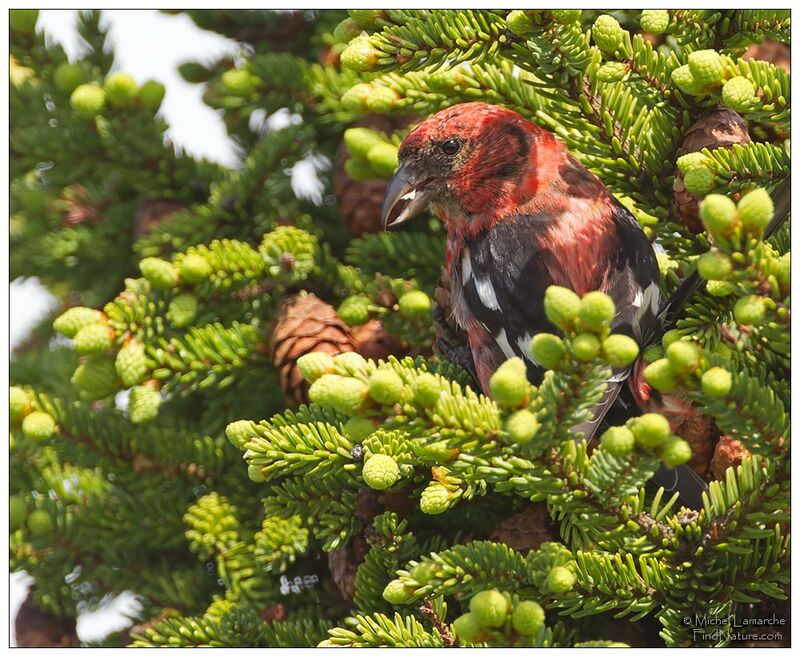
pixel 148 45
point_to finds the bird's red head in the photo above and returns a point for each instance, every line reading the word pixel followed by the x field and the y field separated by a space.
pixel 471 162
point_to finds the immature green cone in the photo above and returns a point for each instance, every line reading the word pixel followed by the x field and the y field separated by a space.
pixel 143 404
pixel 691 161
pixel 650 430
pixel 522 427
pixel 566 16
pixel 38 426
pixel 714 266
pixel 415 304
pixel 74 319
pixel 423 572
pixel 612 72
pixel 699 180
pixel 19 404
pixel 68 77
pixel 96 377
pixel 350 362
pixel 519 23
pixel 344 394
pixel 706 67
pixel 239 82
pixel 716 382
pixel 490 608
pixel 40 523
pixel 659 374
pixel 359 141
pixel 360 55
pixel 585 347
pixel 88 100
pixel 435 499
pixel 240 432
pixel 527 617
pixel 509 384
pixel 382 100
pixel 151 94
pixel 654 21
pixel 548 350
pixel 386 387
pixel 314 365
pixel 684 357
pixel 359 170
pixel 607 33
pixel 355 310
pixel 561 306
pixel 380 472
pixel 620 350
pixel 618 441
pixel 17 512
pixel 355 98
pixel 756 210
pixel 560 579
pixel 670 337
pixel 426 390
pixel 383 159
pixel 749 310
pixel 718 214
pixel 467 628
pixel 720 288
pixel 675 451
pixel 130 364
pixel 346 30
pixel 682 78
pixel 182 310
pixel 739 94
pixel 784 271
pixel 193 268
pixel 596 311
pixel 160 273
pixel 120 89
pixel 94 339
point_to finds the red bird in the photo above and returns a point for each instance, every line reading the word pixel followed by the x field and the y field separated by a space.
pixel 522 214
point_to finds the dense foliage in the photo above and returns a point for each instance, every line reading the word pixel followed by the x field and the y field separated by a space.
pixel 398 506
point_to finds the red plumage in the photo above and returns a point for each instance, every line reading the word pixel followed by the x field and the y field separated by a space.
pixel 522 214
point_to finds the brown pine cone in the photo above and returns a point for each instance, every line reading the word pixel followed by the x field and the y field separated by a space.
pixel 36 628
pixel 305 324
pixel 728 453
pixel 526 530
pixel 719 128
pixel 702 434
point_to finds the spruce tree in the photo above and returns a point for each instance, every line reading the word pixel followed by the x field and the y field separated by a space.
pixel 305 458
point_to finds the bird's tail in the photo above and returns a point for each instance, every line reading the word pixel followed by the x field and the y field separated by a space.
pixel 619 403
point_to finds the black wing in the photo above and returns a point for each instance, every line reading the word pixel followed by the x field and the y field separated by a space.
pixel 506 269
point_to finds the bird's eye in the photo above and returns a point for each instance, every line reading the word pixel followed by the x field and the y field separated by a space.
pixel 451 146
